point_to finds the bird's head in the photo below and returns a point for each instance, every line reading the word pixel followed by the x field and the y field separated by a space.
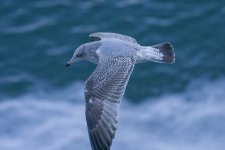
pixel 79 54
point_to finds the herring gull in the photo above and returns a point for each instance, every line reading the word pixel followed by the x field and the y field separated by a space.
pixel 115 56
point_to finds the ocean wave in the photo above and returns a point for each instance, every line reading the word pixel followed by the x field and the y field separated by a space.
pixel 192 120
pixel 30 27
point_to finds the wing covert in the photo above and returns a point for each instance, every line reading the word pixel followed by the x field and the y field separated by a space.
pixel 107 35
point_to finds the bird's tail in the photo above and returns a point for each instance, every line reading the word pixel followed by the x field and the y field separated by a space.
pixel 162 53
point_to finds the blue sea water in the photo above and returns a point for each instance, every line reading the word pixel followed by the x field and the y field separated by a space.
pixel 165 107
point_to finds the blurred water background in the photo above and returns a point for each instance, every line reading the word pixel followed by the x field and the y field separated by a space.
pixel 166 107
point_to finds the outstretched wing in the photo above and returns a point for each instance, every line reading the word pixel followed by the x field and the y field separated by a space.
pixel 107 35
pixel 104 90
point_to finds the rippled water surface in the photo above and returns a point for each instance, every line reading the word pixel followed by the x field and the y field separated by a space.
pixel 166 107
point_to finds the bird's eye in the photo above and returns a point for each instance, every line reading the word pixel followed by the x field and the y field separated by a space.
pixel 79 55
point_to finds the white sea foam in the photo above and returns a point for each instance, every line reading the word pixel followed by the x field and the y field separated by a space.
pixel 192 120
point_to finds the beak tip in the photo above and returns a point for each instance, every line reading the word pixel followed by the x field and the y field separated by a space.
pixel 67 65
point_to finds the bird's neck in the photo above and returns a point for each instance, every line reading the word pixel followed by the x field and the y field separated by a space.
pixel 91 49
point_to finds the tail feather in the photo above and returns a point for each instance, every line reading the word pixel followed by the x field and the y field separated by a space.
pixel 166 51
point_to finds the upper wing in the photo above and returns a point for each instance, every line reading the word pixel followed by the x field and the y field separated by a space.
pixel 104 89
pixel 107 35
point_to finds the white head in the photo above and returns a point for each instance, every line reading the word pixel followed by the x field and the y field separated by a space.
pixel 85 52
pixel 78 55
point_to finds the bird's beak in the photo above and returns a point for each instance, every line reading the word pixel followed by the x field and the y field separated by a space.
pixel 70 62
pixel 67 65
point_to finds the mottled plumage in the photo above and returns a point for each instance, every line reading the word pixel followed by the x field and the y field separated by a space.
pixel 116 56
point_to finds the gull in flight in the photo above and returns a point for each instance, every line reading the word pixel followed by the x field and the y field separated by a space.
pixel 115 56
